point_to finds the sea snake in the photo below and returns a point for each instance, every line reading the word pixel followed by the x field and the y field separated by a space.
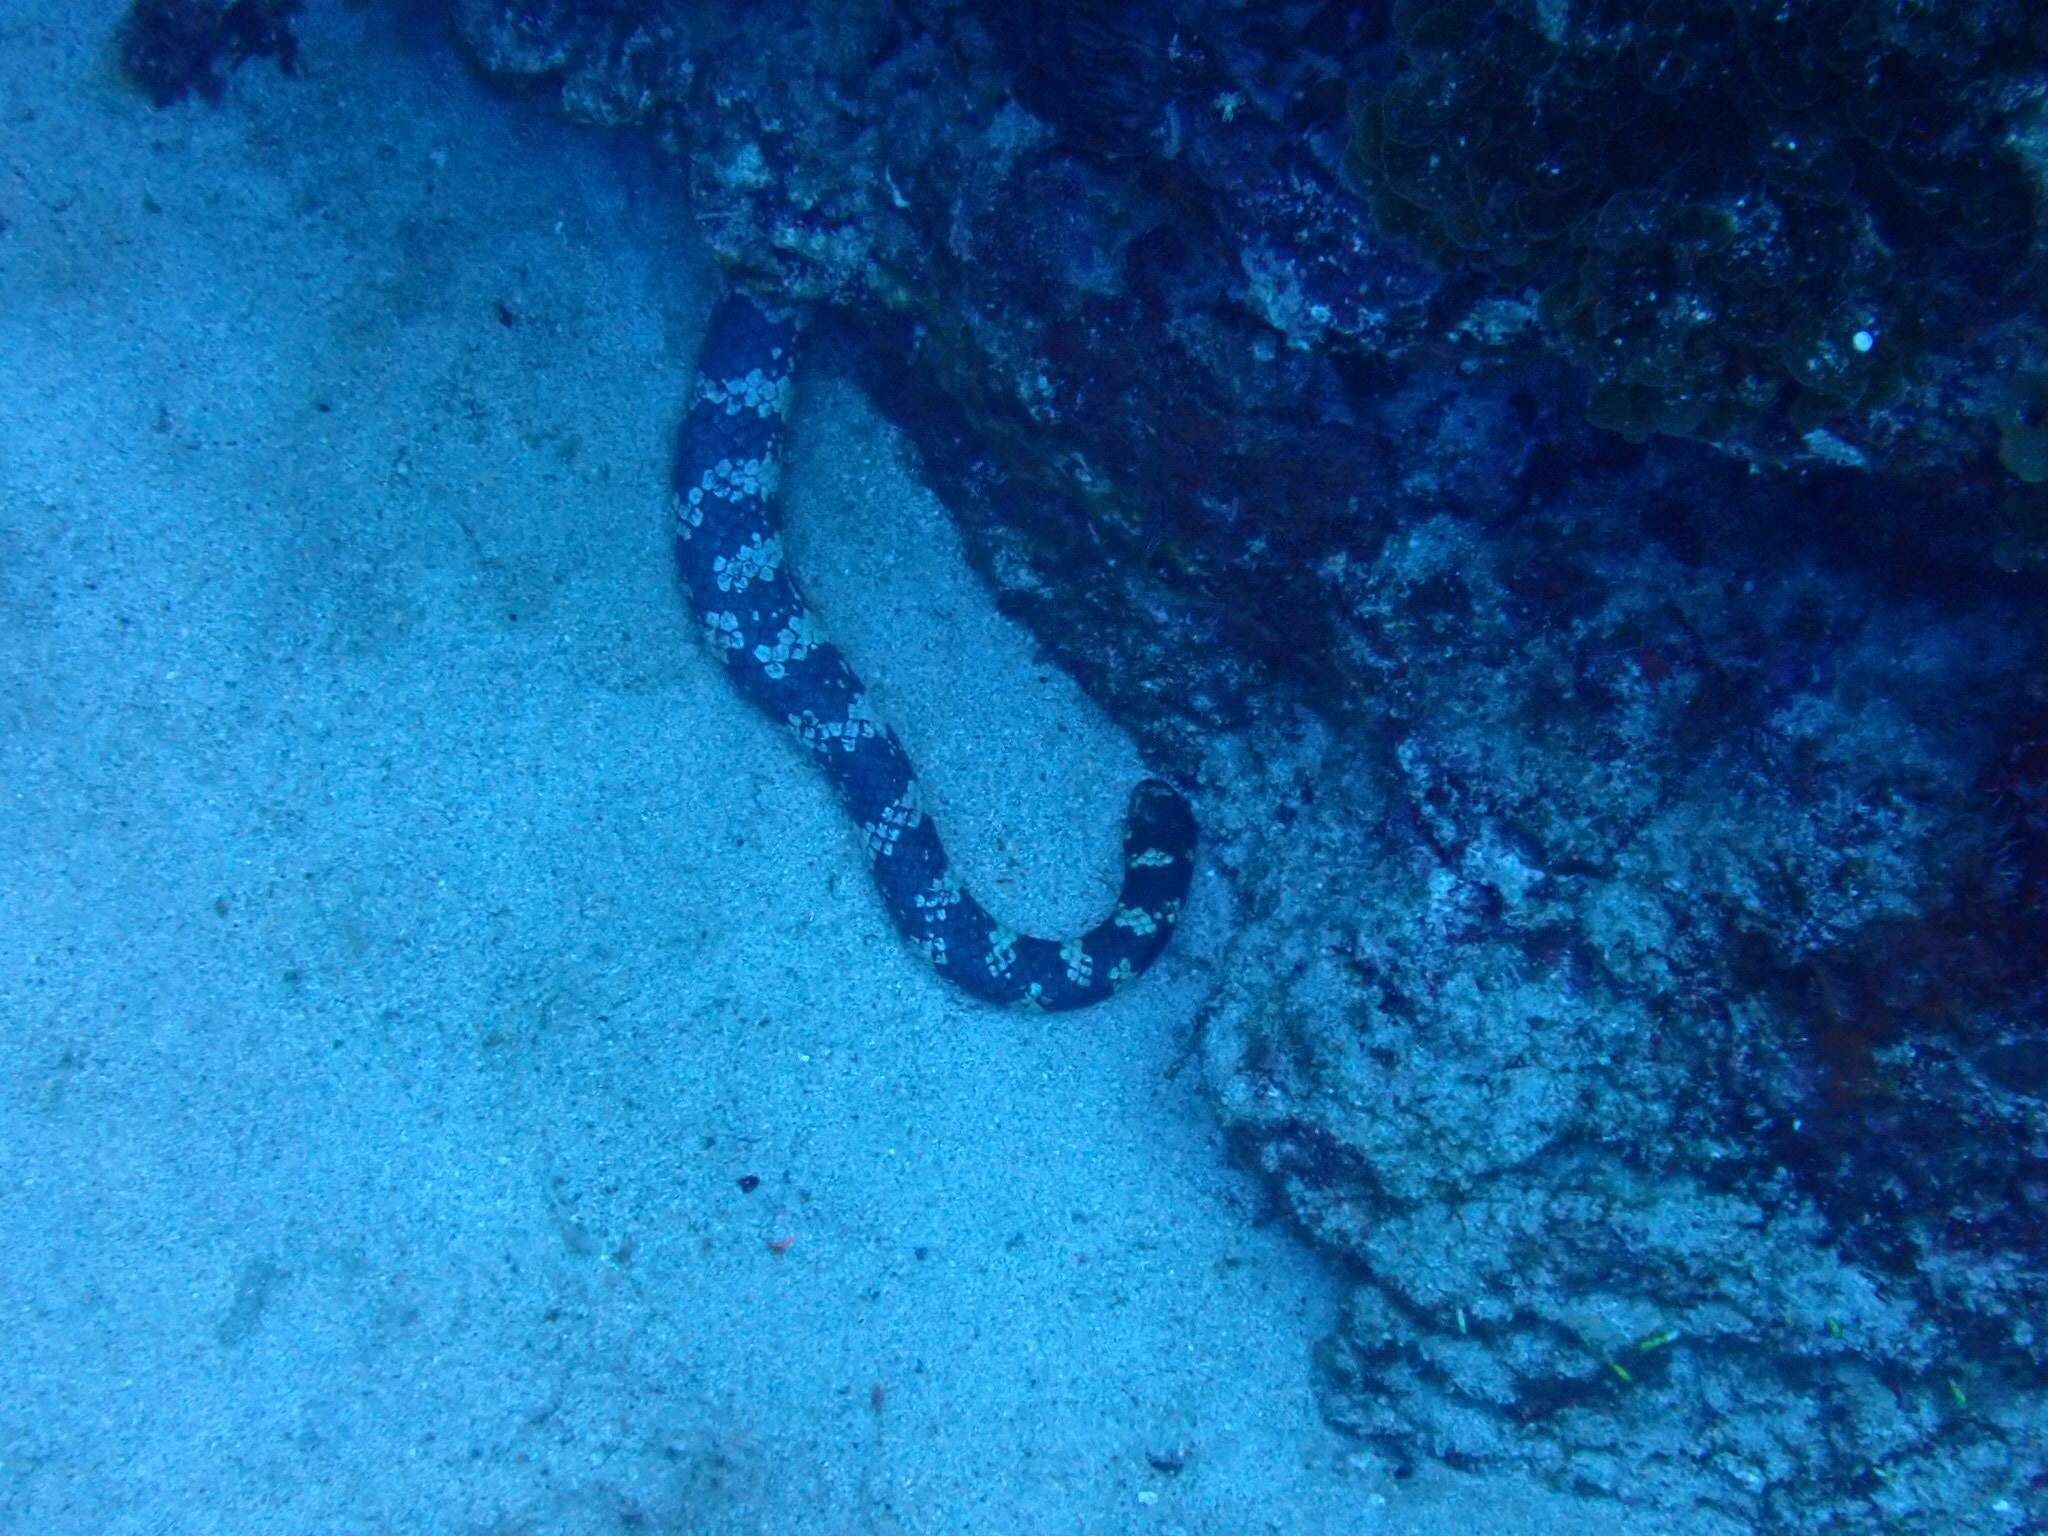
pixel 728 541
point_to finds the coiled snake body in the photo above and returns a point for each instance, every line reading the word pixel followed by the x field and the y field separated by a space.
pixel 729 552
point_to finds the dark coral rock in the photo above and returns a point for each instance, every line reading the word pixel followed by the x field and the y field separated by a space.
pixel 174 47
pixel 1647 1011
pixel 1748 221
pixel 612 61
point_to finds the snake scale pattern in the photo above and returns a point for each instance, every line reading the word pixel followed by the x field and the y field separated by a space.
pixel 747 604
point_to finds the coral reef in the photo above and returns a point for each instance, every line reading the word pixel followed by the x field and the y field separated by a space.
pixel 1745 221
pixel 1651 1017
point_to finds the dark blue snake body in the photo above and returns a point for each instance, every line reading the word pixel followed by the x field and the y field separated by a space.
pixel 729 552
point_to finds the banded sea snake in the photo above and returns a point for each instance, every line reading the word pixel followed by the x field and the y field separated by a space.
pixel 728 544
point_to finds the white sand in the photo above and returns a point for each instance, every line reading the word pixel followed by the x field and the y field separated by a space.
pixel 407 941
